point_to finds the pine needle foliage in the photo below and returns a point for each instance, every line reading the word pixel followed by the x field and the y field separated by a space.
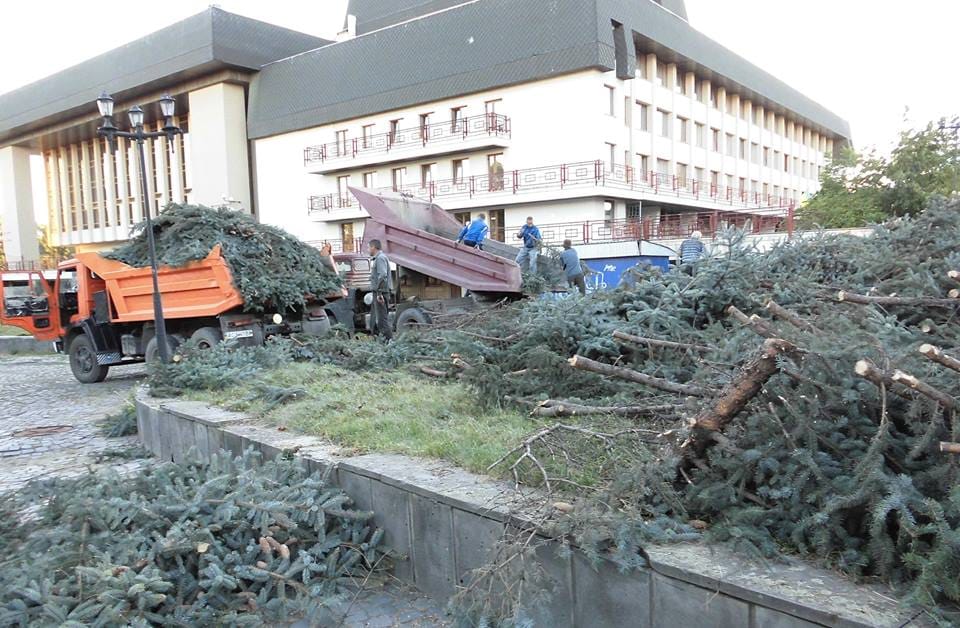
pixel 122 423
pixel 271 268
pixel 233 543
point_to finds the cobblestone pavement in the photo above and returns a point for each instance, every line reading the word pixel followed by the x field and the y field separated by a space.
pixel 48 419
pixel 48 426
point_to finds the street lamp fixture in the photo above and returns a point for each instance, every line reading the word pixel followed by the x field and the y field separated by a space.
pixel 108 130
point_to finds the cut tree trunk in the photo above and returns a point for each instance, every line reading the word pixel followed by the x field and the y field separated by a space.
pixel 862 299
pixel 586 364
pixel 934 353
pixel 754 322
pixel 652 342
pixel 738 393
pixel 784 314
pixel 950 448
pixel 555 408
pixel 925 389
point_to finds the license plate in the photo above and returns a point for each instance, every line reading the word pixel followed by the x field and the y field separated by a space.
pixel 233 335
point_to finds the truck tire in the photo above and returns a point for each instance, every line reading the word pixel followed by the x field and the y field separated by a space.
pixel 207 337
pixel 153 347
pixel 83 361
pixel 412 318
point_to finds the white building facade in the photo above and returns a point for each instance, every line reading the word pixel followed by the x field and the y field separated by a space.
pixel 608 121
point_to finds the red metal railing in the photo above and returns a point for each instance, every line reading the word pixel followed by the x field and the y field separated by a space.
pixel 571 176
pixel 490 124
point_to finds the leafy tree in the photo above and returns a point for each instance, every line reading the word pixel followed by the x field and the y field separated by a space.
pixel 858 189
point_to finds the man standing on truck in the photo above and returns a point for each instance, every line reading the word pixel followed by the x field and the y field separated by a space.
pixel 381 286
pixel 473 234
pixel 531 237
pixel 570 262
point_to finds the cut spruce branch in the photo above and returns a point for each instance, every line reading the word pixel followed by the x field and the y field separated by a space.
pixel 880 378
pixel 653 342
pixel 586 364
pixel 925 389
pixel 757 324
pixel 783 313
pixel 954 274
pixel 949 448
pixel 741 390
pixel 935 354
pixel 851 297
pixel 426 370
pixel 558 408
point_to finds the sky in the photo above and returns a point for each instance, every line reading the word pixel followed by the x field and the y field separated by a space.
pixel 883 65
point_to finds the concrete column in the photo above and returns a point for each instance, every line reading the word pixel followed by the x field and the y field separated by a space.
pixel 218 153
pixel 16 205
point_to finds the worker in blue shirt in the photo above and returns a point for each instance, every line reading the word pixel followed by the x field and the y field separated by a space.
pixel 473 234
pixel 691 250
pixel 531 237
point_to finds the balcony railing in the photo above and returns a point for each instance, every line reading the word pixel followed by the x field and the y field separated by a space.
pixel 571 176
pixel 490 124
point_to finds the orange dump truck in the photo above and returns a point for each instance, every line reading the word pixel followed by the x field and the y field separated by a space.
pixel 100 311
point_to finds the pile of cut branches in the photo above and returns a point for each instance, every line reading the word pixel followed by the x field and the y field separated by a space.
pixel 232 543
pixel 271 268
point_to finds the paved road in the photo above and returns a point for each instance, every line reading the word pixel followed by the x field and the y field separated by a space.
pixel 48 426
pixel 48 419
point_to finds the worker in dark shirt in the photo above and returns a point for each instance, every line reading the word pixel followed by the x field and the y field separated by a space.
pixel 381 286
pixel 531 237
pixel 570 262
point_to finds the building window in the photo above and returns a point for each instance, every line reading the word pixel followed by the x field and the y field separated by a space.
pixel 633 212
pixel 644 113
pixel 745 109
pixel 611 156
pixel 682 175
pixel 427 174
pixel 456 119
pixel 766 190
pixel 643 162
pixel 713 97
pixel 698 174
pixel 766 156
pixel 697 89
pixel 680 80
pixel 341 143
pixel 370 180
pixel 731 104
pixel 757 115
pixel 661 73
pixel 609 209
pixel 490 106
pixel 796 166
pixel 495 171
pixel 611 100
pixel 683 126
pixel 663 168
pixel 729 182
pixel 743 186
pixel 397 177
pixel 368 135
pixel 642 66
pixel 714 179
pixel 343 194
pixel 731 145
pixel 664 122
pixel 701 135
pixel 786 163
pixel 459 171
pixel 425 126
pixel 715 140
pixel 754 152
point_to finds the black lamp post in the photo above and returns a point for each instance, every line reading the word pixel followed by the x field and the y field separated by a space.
pixel 170 130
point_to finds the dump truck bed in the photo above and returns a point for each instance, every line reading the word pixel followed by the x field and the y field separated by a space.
pixel 200 289
pixel 405 233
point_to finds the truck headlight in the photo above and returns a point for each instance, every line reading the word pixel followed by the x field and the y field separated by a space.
pixel 368 299
pixel 277 319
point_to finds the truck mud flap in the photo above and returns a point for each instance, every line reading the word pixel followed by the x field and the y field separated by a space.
pixel 104 342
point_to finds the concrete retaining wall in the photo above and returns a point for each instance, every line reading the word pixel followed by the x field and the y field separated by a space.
pixel 447 520
pixel 24 344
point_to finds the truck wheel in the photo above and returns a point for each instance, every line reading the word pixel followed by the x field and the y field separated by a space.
pixel 83 361
pixel 153 348
pixel 207 337
pixel 412 318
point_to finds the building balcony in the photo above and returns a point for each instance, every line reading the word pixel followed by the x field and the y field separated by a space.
pixel 467 134
pixel 588 178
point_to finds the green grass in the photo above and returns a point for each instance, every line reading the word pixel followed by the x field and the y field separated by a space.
pixel 391 411
pixel 7 330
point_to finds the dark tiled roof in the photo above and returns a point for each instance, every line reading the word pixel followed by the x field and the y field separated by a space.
pixel 487 44
pixel 211 40
pixel 376 14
